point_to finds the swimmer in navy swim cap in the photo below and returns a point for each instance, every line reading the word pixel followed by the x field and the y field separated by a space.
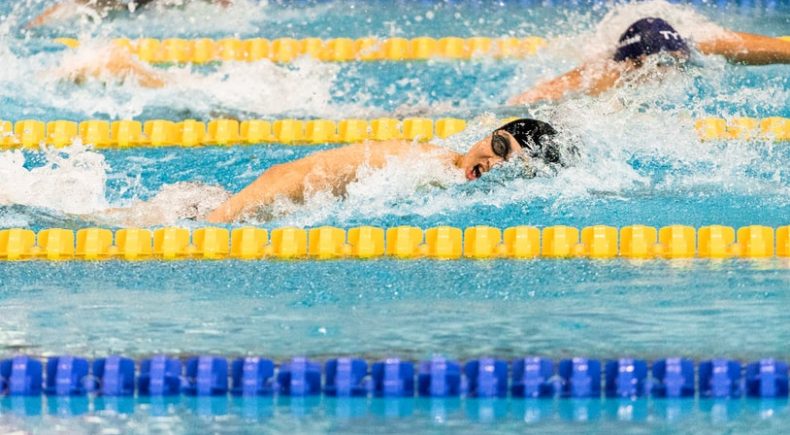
pixel 653 39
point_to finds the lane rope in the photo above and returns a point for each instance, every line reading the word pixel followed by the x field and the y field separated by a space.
pixel 284 50
pixel 527 377
pixel 403 242
pixel 33 133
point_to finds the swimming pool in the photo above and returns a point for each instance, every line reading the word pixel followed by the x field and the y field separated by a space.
pixel 643 163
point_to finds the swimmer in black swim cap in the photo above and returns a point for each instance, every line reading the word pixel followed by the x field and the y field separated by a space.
pixel 528 140
pixel 655 37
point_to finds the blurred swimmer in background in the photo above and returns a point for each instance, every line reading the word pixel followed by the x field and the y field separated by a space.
pixel 63 10
pixel 654 42
pixel 647 42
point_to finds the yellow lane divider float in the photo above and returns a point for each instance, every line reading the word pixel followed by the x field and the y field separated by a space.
pixel 200 51
pixel 403 242
pixel 123 134
pixel 282 50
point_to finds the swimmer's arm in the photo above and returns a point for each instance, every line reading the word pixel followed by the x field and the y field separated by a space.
pixel 118 62
pixel 591 78
pixel 748 48
pixel 333 169
pixel 329 169
pixel 122 64
pixel 72 6
pixel 49 13
pixel 286 180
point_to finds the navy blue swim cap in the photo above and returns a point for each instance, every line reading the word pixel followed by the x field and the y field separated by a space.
pixel 649 36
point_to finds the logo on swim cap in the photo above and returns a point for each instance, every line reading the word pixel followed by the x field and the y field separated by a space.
pixel 649 36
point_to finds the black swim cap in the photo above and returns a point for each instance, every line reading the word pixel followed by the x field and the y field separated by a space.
pixel 535 138
pixel 649 36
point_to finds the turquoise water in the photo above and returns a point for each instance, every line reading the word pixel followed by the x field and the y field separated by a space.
pixel 376 309
pixel 641 163
pixel 394 415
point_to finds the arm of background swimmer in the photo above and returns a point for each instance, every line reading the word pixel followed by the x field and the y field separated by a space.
pixel 121 63
pixel 748 48
pixel 590 78
pixel 48 13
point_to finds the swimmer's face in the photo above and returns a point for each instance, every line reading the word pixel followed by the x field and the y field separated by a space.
pixel 492 150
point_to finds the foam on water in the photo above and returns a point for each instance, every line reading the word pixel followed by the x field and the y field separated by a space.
pixel 254 89
pixel 71 181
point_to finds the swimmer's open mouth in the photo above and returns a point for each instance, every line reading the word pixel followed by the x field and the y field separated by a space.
pixel 474 173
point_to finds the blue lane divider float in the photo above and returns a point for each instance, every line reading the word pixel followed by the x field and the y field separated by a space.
pixel 720 378
pixel 393 378
pixel 528 377
pixel 252 377
pixel 673 377
pixel 439 377
pixel 346 377
pixel 486 377
pixel 159 376
pixel 534 377
pixel 299 377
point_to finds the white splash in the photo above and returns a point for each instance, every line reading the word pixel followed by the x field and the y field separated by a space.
pixel 70 181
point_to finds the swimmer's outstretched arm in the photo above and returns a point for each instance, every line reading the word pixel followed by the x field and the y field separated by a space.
pixel 591 78
pixel 331 169
pixel 748 48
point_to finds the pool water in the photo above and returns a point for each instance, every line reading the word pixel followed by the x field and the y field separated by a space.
pixel 641 162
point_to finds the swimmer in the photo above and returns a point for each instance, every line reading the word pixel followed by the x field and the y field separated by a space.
pixel 66 9
pixel 654 37
pixel 526 140
pixel 114 64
